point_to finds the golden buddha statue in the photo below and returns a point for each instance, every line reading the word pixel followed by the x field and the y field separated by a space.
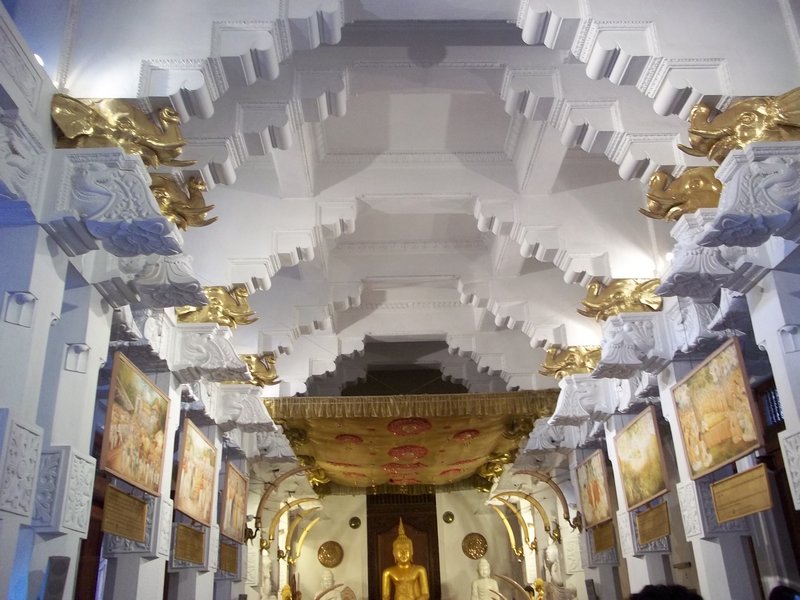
pixel 410 581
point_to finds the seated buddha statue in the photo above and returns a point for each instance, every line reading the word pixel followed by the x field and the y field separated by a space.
pixel 404 580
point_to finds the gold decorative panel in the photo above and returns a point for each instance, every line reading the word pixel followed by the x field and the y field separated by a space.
pixel 401 441
pixel 569 360
pixel 474 545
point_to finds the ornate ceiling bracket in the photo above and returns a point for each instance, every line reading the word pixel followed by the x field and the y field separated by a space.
pixel 632 342
pixel 103 196
pixel 322 94
pixel 584 397
pixel 236 406
pixel 760 198
pixel 194 351
pixel 697 271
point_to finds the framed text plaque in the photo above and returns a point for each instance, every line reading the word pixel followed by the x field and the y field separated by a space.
pixel 743 494
pixel 124 515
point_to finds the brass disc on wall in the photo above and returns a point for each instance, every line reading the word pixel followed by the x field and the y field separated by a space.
pixel 474 545
pixel 330 554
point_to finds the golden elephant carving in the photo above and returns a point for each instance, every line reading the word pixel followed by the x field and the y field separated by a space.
pixel 669 198
pixel 110 122
pixel 262 368
pixel 760 119
pixel 619 296
pixel 569 360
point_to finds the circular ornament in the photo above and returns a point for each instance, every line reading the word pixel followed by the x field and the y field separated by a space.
pixel 448 517
pixel 408 452
pixel 349 438
pixel 409 426
pixel 330 554
pixel 474 545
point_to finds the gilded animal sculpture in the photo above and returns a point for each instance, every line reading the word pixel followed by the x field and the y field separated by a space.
pixel 111 122
pixel 226 306
pixel 620 296
pixel 759 119
pixel 669 198
pixel 569 360
pixel 262 368
pixel 182 208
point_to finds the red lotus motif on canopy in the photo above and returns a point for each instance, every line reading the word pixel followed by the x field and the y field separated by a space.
pixel 401 467
pixel 349 438
pixel 466 435
pixel 408 452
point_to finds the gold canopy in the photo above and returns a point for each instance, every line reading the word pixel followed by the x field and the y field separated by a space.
pixel 400 441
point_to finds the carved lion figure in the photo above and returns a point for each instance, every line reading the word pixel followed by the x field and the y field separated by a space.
pixel 669 198
pixel 182 208
pixel 760 119
pixel 621 295
pixel 111 122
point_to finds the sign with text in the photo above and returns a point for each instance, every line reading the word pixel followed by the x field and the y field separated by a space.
pixel 742 494
pixel 124 515
pixel 652 524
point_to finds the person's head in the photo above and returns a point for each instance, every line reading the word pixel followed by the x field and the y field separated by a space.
pixel 665 592
pixel 484 570
pixel 327 579
pixel 784 592
pixel 402 547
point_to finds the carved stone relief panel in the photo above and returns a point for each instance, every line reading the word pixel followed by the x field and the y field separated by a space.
pixel 64 491
pixel 790 447
pixel 20 451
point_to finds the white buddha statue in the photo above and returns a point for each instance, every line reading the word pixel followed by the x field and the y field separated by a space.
pixel 328 588
pixel 552 562
pixel 484 585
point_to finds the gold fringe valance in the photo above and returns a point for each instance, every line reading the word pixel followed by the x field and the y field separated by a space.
pixel 535 404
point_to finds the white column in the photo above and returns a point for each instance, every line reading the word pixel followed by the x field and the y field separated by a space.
pixel 31 288
pixel 723 565
pixel 775 313
pixel 643 569
pixel 77 348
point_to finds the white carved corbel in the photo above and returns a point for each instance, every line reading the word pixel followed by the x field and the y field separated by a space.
pixel 733 313
pixel 274 446
pixel 689 322
pixel 21 161
pixel 632 342
pixel 165 281
pixel 64 491
pixel 195 350
pixel 234 405
pixel 759 198
pixel 543 438
pixel 697 271
pixel 568 408
pixel 103 195
pixel 20 452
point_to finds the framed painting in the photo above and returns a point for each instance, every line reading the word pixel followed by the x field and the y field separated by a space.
pixel 197 475
pixel 136 426
pixel 641 462
pixel 593 489
pixel 234 504
pixel 716 412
